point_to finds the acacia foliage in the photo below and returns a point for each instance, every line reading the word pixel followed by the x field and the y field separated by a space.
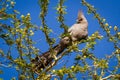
pixel 16 32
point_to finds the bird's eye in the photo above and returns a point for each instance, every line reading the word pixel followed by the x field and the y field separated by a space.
pixel 80 19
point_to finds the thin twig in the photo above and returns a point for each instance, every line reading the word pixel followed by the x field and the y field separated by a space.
pixel 108 77
pixel 4 65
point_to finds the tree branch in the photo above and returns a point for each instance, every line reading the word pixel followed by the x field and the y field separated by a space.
pixel 108 77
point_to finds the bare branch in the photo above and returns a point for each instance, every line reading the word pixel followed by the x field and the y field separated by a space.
pixel 3 65
pixel 108 77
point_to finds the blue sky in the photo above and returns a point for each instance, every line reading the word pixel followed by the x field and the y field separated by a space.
pixel 108 9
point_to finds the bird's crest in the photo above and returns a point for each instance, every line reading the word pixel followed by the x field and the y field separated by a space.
pixel 80 13
pixel 80 16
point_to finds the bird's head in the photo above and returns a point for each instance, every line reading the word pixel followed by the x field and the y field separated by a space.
pixel 81 18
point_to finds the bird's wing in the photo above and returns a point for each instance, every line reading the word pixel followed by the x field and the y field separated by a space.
pixel 71 28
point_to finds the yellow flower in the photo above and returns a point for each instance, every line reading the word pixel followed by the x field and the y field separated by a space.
pixel 22 16
pixel 60 71
pixel 12 3
pixel 84 56
pixel 23 36
pixel 31 33
pixel 95 63
pixel 118 51
pixel 104 20
pixel 53 71
pixel 110 26
pixel 72 67
pixel 17 40
pixel 118 33
pixel 93 34
pixel 17 30
pixel 21 30
pixel 28 14
pixel 115 28
pixel 106 24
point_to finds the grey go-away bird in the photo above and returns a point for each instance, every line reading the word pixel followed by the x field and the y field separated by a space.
pixel 79 30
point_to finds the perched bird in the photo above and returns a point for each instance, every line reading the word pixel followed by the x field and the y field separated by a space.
pixel 79 30
pixel 46 58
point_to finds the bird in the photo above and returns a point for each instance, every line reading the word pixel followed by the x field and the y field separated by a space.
pixel 41 61
pixel 79 30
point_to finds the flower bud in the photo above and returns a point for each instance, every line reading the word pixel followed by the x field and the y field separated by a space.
pixel 115 28
pixel 22 16
pixel 28 14
pixel 106 24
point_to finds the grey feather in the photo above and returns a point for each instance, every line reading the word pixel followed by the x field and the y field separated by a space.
pixel 80 29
